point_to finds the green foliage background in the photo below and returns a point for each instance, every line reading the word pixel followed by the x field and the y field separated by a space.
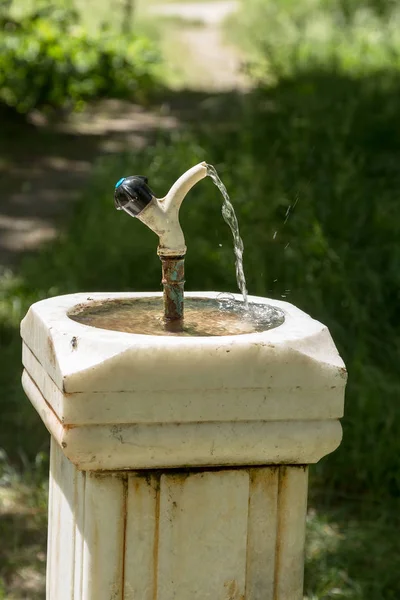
pixel 49 60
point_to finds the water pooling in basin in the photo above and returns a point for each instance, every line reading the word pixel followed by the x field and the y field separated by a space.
pixel 203 317
pixel 229 215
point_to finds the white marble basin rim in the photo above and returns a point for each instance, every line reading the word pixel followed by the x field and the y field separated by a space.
pixel 271 397
pixel 79 357
pixel 56 308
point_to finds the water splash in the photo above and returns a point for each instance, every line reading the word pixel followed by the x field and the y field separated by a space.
pixel 229 215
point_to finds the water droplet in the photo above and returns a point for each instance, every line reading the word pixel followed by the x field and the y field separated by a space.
pixel 287 214
pixel 226 296
pixel 225 300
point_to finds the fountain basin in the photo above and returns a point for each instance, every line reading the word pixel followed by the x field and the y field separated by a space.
pixel 204 317
pixel 115 400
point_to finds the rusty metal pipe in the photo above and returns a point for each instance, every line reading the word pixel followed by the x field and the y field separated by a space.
pixel 173 280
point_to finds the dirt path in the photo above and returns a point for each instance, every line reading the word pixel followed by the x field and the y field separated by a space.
pixel 44 167
pixel 202 53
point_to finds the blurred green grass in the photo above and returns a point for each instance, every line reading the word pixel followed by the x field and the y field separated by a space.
pixel 310 159
pixel 354 36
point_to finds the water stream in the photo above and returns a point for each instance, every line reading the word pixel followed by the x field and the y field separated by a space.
pixel 229 215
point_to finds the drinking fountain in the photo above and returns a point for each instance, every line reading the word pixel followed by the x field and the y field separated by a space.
pixel 181 430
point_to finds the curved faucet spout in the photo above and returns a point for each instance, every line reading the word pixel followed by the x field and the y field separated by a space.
pixel 183 185
pixel 162 215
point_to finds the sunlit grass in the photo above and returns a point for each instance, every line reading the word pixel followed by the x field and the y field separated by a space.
pixel 23 530
pixel 281 38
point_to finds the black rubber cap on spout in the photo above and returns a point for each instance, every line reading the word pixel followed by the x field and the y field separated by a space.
pixel 132 194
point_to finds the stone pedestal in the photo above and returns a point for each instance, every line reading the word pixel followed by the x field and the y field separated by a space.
pixel 179 465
